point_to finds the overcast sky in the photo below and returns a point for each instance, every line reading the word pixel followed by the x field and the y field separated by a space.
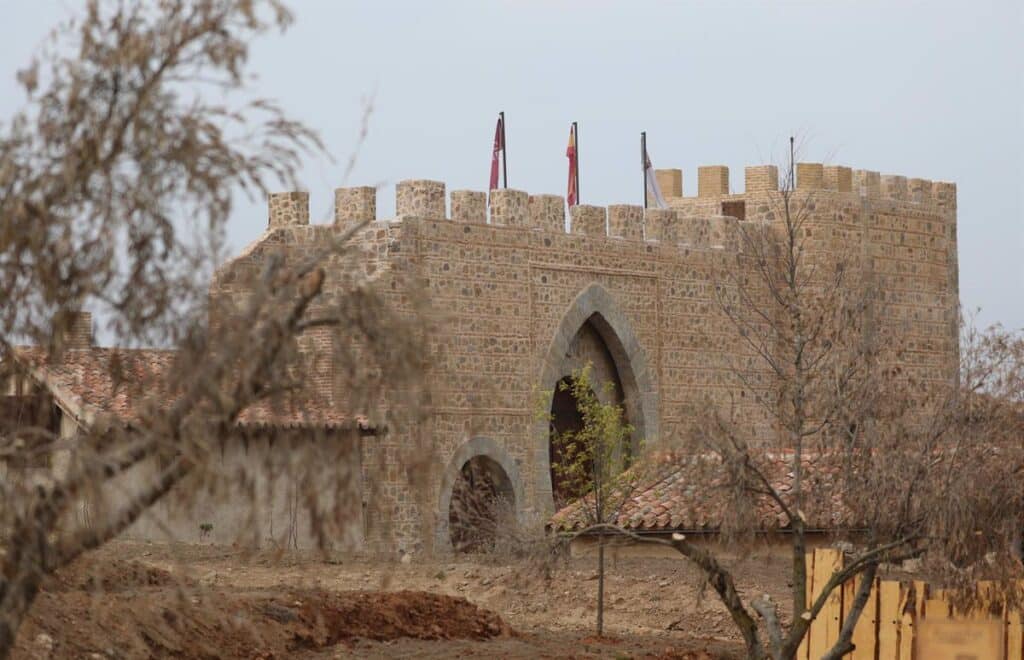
pixel 927 89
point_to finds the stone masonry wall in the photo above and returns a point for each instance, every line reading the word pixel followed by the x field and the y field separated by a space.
pixel 906 235
pixel 513 294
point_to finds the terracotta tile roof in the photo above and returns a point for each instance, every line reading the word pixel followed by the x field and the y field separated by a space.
pixel 670 498
pixel 298 411
pixel 119 382
pixel 91 381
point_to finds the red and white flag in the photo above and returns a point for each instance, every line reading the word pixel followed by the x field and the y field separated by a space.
pixel 572 195
pixel 499 146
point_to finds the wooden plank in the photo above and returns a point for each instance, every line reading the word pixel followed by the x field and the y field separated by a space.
pixel 1015 626
pixel 911 613
pixel 831 615
pixel 849 590
pixel 802 650
pixel 865 633
pixel 986 595
pixel 816 635
pixel 907 630
pixel 888 620
pixel 1014 636
pixel 907 627
pixel 824 630
pixel 936 608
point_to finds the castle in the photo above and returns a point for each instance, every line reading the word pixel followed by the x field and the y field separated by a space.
pixel 522 304
pixel 627 289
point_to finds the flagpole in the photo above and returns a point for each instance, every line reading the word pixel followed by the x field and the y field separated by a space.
pixel 643 161
pixel 792 174
pixel 504 151
pixel 576 142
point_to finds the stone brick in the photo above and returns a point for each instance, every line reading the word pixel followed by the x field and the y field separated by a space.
pixel 661 225
pixel 894 187
pixel 920 190
pixel 79 331
pixel 810 176
pixel 469 206
pixel 355 205
pixel 944 194
pixel 723 232
pixel 761 178
pixel 670 181
pixel 288 209
pixel 838 178
pixel 588 220
pixel 509 207
pixel 420 198
pixel 694 231
pixel 547 213
pixel 868 183
pixel 712 181
pixel 626 221
pixel 748 232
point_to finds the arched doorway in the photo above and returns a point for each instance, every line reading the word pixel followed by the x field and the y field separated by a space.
pixel 586 348
pixel 503 471
pixel 565 418
pixel 482 505
pixel 595 319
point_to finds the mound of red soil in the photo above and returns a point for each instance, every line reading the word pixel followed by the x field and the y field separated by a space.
pixel 125 609
pixel 329 617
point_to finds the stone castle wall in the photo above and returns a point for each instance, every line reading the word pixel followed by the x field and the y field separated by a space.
pixel 520 300
pixel 905 229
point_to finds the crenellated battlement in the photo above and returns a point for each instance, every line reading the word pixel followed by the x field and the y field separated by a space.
pixel 709 220
pixel 516 209
pixel 713 183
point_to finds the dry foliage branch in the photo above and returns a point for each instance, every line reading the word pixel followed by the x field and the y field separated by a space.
pixel 116 182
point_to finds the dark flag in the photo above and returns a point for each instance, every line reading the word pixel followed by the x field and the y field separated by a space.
pixel 499 146
pixel 573 193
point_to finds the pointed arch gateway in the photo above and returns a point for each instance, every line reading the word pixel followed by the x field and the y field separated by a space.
pixel 594 314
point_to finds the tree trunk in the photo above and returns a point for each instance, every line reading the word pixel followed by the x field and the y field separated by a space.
pixel 6 639
pixel 600 584
pixel 844 644
pixel 18 598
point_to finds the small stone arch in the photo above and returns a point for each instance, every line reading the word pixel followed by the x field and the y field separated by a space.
pixel 476 447
pixel 596 306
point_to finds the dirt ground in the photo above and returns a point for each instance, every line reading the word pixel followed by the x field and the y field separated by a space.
pixel 132 600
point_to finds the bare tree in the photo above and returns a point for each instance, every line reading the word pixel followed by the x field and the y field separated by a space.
pixel 897 464
pixel 116 182
pixel 598 462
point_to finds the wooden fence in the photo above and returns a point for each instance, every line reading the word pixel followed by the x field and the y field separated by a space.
pixel 906 620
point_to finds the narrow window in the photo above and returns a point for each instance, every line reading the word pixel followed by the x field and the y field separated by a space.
pixel 735 208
